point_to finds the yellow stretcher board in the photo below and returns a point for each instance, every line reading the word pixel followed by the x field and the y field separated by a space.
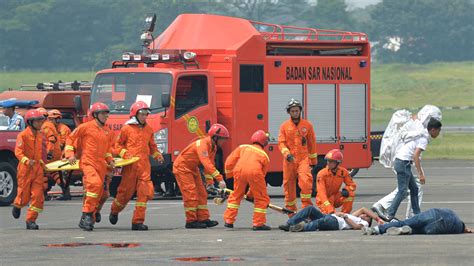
pixel 65 166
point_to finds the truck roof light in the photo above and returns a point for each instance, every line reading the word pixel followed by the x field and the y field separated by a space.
pixel 155 57
pixel 150 23
pixel 189 55
pixel 137 57
pixel 165 57
pixel 125 57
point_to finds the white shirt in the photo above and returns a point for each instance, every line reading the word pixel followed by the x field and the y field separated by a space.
pixel 344 226
pixel 406 151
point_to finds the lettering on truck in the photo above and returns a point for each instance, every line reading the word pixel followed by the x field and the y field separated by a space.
pixel 318 73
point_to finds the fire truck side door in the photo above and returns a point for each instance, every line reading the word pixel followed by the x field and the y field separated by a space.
pixel 193 112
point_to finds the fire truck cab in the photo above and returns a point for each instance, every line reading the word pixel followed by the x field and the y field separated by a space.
pixel 205 69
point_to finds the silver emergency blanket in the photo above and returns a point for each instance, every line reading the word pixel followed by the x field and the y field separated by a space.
pixel 404 127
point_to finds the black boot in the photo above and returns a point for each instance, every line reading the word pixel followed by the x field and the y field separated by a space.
pixel 209 223
pixel 16 212
pixel 139 227
pixel 98 217
pixel 31 225
pixel 261 228
pixel 284 227
pixel 177 190
pixel 86 223
pixel 169 189
pixel 195 225
pixel 226 225
pixel 113 218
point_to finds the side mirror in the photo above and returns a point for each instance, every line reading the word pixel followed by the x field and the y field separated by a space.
pixel 165 99
pixel 78 103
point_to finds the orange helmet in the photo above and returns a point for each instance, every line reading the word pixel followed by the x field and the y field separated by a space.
pixel 43 111
pixel 260 137
pixel 99 107
pixel 55 113
pixel 334 155
pixel 140 105
pixel 33 115
pixel 218 130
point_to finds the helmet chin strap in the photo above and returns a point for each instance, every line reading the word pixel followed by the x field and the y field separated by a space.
pixel 96 116
pixel 138 120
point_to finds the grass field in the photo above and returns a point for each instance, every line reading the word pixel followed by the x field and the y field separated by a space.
pixel 451 146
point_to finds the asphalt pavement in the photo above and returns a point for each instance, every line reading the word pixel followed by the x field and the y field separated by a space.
pixel 59 241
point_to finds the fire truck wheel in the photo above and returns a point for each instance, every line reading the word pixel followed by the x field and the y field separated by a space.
pixel 353 172
pixel 8 183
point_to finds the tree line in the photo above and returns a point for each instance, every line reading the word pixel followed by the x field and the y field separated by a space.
pixel 89 34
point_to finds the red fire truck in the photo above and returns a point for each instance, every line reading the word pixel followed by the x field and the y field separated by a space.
pixel 205 69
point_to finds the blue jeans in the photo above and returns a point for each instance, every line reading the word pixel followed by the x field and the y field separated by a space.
pixel 431 222
pixel 319 221
pixel 405 180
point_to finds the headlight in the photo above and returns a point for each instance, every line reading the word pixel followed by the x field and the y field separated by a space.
pixel 161 140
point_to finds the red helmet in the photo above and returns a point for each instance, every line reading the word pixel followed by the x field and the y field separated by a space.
pixel 34 114
pixel 55 113
pixel 99 107
pixel 219 130
pixel 140 105
pixel 335 155
pixel 260 137
pixel 43 111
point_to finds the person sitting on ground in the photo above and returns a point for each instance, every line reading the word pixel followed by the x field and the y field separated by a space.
pixel 312 219
pixel 431 222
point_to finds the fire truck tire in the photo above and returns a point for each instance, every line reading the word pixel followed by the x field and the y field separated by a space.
pixel 353 172
pixel 8 183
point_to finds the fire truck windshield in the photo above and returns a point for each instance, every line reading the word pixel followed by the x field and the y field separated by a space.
pixel 120 90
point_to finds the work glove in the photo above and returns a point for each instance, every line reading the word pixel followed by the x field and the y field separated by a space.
pixel 290 158
pixel 222 184
pixel 49 156
pixel 345 193
pixel 211 189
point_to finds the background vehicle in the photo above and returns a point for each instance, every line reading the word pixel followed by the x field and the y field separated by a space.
pixel 205 69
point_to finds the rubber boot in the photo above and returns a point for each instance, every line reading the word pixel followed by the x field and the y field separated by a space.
pixel 16 212
pixel 139 227
pixel 31 225
pixel 195 225
pixel 210 223
pixel 87 222
pixel 261 228
pixel 113 218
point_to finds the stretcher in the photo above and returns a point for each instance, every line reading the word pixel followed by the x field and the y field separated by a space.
pixel 61 165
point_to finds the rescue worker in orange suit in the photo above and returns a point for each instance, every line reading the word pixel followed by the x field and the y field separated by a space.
pixel 248 166
pixel 28 150
pixel 330 179
pixel 63 132
pixel 44 144
pixel 136 140
pixel 53 146
pixel 96 160
pixel 186 170
pixel 297 143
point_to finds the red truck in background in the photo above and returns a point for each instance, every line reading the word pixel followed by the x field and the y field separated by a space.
pixel 55 96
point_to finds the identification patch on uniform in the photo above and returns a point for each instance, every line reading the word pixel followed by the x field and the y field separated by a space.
pixel 204 153
pixel 20 143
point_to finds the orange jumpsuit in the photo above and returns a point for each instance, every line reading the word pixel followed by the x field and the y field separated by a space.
pixel 96 146
pixel 63 131
pixel 299 141
pixel 248 165
pixel 186 170
pixel 135 140
pixel 329 195
pixel 30 178
pixel 53 146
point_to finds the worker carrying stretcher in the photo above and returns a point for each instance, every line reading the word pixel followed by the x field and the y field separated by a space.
pixel 186 170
